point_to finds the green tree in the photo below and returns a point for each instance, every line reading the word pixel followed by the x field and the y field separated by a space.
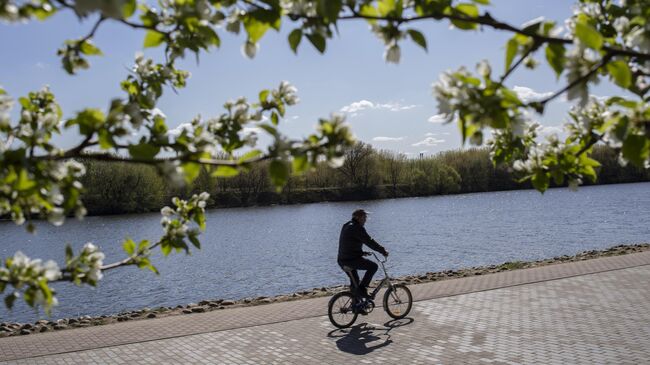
pixel 604 39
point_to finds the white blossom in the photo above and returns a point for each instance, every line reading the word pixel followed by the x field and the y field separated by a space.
pixel 51 270
pixel 167 211
pixel 56 216
pixel 392 53
pixel 249 49
pixel 484 69
pixel 621 24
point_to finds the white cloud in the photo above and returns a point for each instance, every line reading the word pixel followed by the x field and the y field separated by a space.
pixel 438 118
pixel 387 139
pixel 41 65
pixel 429 141
pixel 527 94
pixel 358 106
pixel 361 105
pixel 394 107
pixel 431 134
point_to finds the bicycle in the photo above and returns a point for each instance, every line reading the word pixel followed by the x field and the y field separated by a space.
pixel 344 307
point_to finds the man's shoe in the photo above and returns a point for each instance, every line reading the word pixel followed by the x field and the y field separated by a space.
pixel 363 293
pixel 359 308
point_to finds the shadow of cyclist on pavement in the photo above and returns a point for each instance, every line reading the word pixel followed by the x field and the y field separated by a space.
pixel 365 338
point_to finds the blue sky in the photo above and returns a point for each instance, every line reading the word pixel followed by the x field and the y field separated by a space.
pixel 387 105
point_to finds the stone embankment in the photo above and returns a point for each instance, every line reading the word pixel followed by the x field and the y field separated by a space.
pixel 13 329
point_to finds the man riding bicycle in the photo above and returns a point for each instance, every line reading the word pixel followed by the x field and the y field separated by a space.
pixel 353 237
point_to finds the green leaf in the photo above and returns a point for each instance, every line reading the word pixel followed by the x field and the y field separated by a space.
pixel 294 39
pixel 88 120
pixel 166 248
pixel 10 299
pixel 143 246
pixel 385 7
pixel 269 129
pixel 588 35
pixel 300 164
pixel 42 14
pixel 279 171
pixel 191 171
pixel 250 155
pixel 153 39
pixel 255 28
pixel 88 48
pixel 636 149
pixel 129 247
pixel 275 119
pixel 620 101
pixel 263 95
pixel 195 241
pixel 318 41
pixel 153 268
pixel 621 73
pixel 471 10
pixel 24 182
pixel 330 9
pixel 511 51
pixel 128 8
pixel 24 102
pixel 540 180
pixel 199 218
pixel 144 151
pixel 482 2
pixel 463 24
pixel 369 11
pixel 418 38
pixel 556 58
pixel 225 171
pixel 105 139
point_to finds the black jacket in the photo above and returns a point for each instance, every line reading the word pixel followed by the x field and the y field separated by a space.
pixel 352 238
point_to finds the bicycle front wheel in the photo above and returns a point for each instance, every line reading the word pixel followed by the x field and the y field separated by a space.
pixel 340 310
pixel 398 301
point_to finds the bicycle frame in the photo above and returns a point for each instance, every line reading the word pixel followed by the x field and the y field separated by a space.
pixel 385 281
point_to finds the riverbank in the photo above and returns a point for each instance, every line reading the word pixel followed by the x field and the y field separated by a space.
pixel 123 188
pixel 12 328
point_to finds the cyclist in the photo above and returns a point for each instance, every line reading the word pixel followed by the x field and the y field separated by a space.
pixel 353 237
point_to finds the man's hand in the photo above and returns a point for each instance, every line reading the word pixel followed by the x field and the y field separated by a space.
pixel 385 253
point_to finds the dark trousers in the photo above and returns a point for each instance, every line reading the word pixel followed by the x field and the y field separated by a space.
pixel 360 264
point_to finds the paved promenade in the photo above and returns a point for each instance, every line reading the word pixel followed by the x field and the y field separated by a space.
pixel 589 312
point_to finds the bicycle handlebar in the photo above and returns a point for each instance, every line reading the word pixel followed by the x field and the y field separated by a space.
pixel 376 257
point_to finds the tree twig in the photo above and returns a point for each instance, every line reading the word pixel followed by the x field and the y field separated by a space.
pixel 514 66
pixel 579 80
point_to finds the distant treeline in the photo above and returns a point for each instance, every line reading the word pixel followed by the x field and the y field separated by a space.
pixel 113 188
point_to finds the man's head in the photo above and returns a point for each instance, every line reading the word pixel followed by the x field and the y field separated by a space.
pixel 360 216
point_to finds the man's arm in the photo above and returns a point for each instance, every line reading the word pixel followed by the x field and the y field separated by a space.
pixel 365 238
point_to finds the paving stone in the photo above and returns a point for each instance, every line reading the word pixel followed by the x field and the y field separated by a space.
pixel 588 312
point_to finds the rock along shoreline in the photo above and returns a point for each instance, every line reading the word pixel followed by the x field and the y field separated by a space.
pixel 15 329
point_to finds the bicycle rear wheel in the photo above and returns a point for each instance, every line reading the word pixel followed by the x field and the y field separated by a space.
pixel 339 310
pixel 398 301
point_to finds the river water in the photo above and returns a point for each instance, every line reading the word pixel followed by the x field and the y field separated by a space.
pixel 282 249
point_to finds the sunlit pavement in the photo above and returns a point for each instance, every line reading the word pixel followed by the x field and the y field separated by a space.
pixel 588 312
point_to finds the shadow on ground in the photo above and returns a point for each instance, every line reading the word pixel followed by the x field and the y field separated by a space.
pixel 365 338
